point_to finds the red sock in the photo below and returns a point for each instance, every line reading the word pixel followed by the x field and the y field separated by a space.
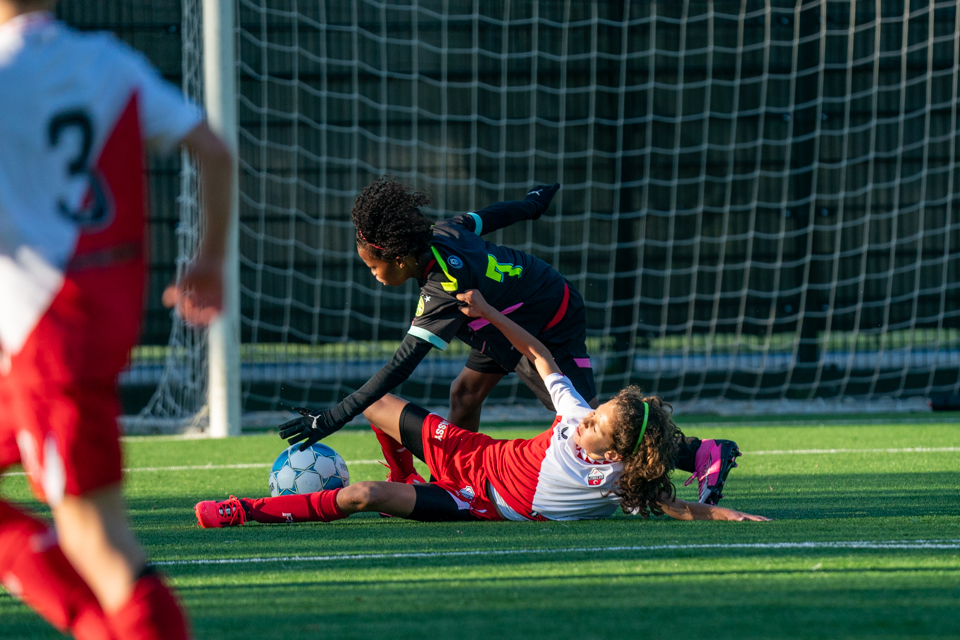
pixel 151 613
pixel 310 507
pixel 33 568
pixel 398 457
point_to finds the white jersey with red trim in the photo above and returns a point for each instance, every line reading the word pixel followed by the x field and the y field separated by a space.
pixel 76 109
pixel 550 477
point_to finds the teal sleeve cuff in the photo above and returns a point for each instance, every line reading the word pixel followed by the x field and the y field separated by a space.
pixel 426 336
pixel 478 223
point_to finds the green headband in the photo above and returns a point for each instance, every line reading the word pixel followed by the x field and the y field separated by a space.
pixel 643 427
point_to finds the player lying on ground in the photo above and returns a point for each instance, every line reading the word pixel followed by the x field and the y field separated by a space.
pixel 398 243
pixel 585 466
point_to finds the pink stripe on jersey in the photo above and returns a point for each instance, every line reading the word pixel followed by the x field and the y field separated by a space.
pixel 583 363
pixel 480 323
pixel 562 311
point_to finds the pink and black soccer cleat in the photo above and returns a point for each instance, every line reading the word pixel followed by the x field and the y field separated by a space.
pixel 213 514
pixel 714 460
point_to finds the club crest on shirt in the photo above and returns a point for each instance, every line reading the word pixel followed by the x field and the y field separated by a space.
pixel 455 262
pixel 420 307
pixel 467 493
pixel 595 477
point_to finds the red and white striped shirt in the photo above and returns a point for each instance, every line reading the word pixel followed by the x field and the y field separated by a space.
pixel 549 477
pixel 76 109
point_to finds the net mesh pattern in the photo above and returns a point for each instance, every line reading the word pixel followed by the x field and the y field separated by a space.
pixel 181 368
pixel 758 198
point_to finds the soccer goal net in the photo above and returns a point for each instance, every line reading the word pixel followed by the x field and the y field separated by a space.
pixel 758 204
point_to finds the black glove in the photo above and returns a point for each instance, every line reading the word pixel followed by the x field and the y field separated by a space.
pixel 543 195
pixel 312 427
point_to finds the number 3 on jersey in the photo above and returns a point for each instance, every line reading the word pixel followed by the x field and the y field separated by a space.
pixel 95 210
pixel 496 270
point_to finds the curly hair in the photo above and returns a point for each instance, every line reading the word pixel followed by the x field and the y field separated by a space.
pixel 645 476
pixel 388 220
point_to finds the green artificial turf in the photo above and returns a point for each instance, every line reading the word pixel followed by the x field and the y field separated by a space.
pixel 843 558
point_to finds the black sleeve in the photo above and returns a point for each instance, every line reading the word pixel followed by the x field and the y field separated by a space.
pixel 503 214
pixel 411 353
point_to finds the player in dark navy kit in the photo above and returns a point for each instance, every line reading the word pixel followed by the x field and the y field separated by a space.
pixel 448 258
pixel 451 257
pixel 397 243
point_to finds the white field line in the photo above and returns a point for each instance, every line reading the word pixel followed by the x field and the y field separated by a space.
pixel 796 452
pixel 774 452
pixel 859 544
pixel 208 467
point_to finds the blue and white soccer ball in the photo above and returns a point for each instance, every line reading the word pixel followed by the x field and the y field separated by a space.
pixel 297 472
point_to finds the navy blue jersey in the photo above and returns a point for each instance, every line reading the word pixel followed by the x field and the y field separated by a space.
pixel 517 284
pixel 534 295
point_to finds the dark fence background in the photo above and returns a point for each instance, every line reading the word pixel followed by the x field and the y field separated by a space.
pixel 775 172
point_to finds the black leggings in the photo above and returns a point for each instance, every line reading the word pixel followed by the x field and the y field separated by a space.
pixel 411 429
pixel 686 459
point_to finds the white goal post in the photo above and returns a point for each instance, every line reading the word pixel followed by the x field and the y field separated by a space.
pixel 759 199
pixel 223 342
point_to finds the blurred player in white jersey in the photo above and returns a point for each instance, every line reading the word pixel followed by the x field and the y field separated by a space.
pixel 77 111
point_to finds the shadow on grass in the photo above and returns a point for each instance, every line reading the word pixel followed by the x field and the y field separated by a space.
pixel 799 497
pixel 846 495
pixel 562 581
pixel 599 607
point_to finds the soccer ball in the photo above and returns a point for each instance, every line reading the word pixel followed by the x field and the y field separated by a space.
pixel 297 472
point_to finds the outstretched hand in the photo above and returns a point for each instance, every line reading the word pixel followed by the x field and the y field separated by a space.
pixel 543 194
pixel 198 294
pixel 722 513
pixel 474 305
pixel 686 510
pixel 311 427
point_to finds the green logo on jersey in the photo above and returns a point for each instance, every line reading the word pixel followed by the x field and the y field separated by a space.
pixel 496 270
pixel 420 307
pixel 451 284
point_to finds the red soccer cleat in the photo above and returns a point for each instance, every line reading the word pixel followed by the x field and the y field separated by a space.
pixel 212 514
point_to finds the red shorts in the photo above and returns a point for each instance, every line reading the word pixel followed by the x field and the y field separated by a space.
pixel 58 398
pixel 455 458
